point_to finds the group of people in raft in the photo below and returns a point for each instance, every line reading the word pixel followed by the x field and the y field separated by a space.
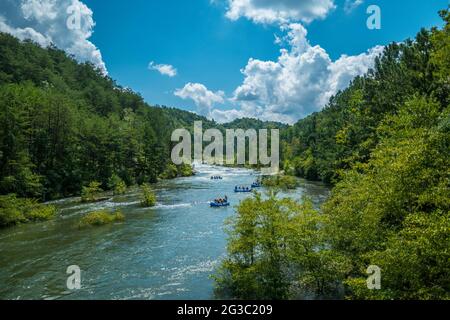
pixel 242 189
pixel 222 202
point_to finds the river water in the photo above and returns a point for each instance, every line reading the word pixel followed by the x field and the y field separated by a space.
pixel 165 252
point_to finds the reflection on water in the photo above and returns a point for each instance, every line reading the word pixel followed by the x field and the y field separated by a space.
pixel 166 252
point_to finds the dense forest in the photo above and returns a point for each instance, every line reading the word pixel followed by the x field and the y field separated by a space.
pixel 250 123
pixel 63 124
pixel 65 127
pixel 384 143
pixel 327 143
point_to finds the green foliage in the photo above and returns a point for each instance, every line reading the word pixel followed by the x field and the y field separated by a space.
pixel 280 181
pixel 185 170
pixel 118 186
pixel 15 210
pixel 63 123
pixel 90 193
pixel 251 123
pixel 100 218
pixel 440 57
pixel 253 268
pixel 414 262
pixel 384 142
pixel 148 197
pixel 305 165
pixel 325 144
pixel 394 211
pixel 276 251
pixel 39 212
pixel 171 172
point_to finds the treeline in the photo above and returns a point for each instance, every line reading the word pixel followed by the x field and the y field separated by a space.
pixel 385 142
pixel 326 144
pixel 256 124
pixel 63 125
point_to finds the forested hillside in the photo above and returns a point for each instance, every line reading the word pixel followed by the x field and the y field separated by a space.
pixel 385 144
pixel 250 123
pixel 325 144
pixel 63 125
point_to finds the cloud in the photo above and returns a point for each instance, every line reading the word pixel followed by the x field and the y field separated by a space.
pixel 300 82
pixel 203 98
pixel 224 116
pixel 303 78
pixel 48 21
pixel 279 11
pixel 351 5
pixel 164 69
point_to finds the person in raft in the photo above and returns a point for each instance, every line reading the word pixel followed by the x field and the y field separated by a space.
pixel 221 201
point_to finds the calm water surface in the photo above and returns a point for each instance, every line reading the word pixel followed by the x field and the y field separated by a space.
pixel 166 252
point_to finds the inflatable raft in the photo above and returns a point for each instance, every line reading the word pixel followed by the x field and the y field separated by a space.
pixel 243 190
pixel 218 205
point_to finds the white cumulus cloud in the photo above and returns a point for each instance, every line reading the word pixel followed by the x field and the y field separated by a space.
pixel 224 116
pixel 164 69
pixel 46 22
pixel 298 83
pixel 351 5
pixel 203 98
pixel 279 11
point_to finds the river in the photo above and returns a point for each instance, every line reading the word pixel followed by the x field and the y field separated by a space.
pixel 165 252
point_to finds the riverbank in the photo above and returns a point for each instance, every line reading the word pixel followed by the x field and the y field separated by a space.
pixel 16 211
pixel 165 252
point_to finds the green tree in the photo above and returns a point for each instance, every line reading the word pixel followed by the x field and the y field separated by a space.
pixel 90 193
pixel 118 186
pixel 148 197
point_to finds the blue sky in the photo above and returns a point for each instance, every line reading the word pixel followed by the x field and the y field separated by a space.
pixel 209 46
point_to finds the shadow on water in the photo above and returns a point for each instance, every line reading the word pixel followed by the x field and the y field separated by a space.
pixel 166 252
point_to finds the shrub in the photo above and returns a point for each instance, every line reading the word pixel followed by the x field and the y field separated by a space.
pixel 148 197
pixel 117 185
pixel 9 213
pixel 185 170
pixel 100 218
pixel 275 251
pixel 280 181
pixel 15 210
pixel 40 212
pixel 90 193
pixel 171 172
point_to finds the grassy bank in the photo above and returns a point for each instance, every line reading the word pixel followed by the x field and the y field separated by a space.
pixel 14 211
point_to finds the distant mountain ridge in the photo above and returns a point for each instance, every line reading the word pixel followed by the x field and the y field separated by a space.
pixel 252 123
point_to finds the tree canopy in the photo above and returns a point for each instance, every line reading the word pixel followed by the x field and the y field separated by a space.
pixel 384 143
